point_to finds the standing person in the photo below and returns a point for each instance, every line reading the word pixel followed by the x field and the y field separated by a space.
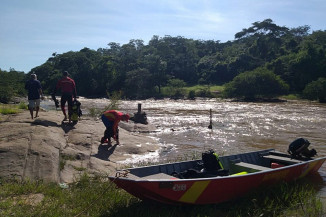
pixel 68 92
pixel 111 119
pixel 34 88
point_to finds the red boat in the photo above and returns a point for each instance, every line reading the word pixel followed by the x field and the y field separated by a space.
pixel 240 174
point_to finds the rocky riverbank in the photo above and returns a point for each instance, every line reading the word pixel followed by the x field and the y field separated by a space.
pixel 45 149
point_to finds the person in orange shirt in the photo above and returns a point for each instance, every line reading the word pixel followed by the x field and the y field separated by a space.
pixel 68 93
pixel 111 119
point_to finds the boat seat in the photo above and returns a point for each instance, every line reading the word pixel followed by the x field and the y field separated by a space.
pixel 159 176
pixel 280 159
pixel 242 166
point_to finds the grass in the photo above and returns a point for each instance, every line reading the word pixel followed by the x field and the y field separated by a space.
pixel 95 196
pixel 212 88
pixel 22 105
pixel 64 158
pixel 291 97
pixel 193 91
pixel 7 109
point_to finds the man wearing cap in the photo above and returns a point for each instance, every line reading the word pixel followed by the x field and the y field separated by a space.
pixel 111 119
pixel 68 92
pixel 34 88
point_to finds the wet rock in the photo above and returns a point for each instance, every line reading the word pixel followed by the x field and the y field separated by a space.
pixel 44 149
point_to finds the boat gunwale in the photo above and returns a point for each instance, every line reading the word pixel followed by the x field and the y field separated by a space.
pixel 141 179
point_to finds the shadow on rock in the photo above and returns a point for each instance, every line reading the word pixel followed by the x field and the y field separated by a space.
pixel 67 127
pixel 45 123
pixel 105 151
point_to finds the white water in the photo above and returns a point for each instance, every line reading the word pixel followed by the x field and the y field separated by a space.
pixel 182 126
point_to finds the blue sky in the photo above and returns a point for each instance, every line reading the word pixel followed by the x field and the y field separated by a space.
pixel 31 30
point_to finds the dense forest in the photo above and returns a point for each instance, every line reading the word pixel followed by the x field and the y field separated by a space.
pixel 264 60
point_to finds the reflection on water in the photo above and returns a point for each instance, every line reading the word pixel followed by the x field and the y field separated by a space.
pixel 237 126
pixel 182 125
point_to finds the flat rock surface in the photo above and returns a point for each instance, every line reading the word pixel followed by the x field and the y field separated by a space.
pixel 45 149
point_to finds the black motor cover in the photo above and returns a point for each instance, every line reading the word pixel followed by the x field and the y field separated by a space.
pixel 299 148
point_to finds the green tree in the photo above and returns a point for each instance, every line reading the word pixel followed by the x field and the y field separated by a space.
pixel 264 39
pixel 175 88
pixel 316 90
pixel 12 84
pixel 157 68
pixel 139 84
pixel 255 84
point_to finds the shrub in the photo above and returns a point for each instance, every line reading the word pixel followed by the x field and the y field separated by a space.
pixel 175 89
pixel 6 94
pixel 22 105
pixel 204 92
pixel 11 84
pixel 316 90
pixel 254 84
pixel 191 94
pixel 114 100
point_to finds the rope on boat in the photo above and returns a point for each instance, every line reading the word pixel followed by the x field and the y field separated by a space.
pixel 122 173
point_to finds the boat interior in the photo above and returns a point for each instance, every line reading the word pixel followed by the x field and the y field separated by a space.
pixel 238 164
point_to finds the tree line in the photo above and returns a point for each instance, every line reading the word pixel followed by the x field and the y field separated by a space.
pixel 264 60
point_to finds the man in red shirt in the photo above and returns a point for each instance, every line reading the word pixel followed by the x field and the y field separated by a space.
pixel 111 119
pixel 68 91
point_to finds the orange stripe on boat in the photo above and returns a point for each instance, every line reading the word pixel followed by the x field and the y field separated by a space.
pixel 194 192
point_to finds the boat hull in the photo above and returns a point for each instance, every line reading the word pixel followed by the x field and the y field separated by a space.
pixel 213 190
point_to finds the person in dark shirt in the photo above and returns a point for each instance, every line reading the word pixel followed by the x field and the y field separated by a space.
pixel 68 92
pixel 34 88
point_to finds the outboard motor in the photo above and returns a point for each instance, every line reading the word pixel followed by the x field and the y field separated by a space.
pixel 299 148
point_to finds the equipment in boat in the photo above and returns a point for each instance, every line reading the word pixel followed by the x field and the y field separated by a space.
pixel 299 149
pixel 172 183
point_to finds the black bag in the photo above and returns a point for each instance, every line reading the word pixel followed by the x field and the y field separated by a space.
pixel 188 174
pixel 211 161
pixel 76 111
pixel 210 166
pixel 193 173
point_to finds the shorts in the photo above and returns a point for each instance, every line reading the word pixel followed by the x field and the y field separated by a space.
pixel 106 122
pixel 33 103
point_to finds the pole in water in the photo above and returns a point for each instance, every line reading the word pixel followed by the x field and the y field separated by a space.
pixel 139 108
pixel 210 126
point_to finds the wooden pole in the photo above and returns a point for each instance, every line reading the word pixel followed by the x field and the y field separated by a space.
pixel 139 108
pixel 210 126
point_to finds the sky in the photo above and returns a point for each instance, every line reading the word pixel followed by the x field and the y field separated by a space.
pixel 32 30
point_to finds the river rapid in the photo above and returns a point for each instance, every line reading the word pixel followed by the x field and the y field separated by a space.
pixel 182 126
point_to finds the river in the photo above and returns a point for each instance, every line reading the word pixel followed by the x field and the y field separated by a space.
pixel 182 126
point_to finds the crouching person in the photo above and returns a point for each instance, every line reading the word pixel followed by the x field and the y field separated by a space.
pixel 111 119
